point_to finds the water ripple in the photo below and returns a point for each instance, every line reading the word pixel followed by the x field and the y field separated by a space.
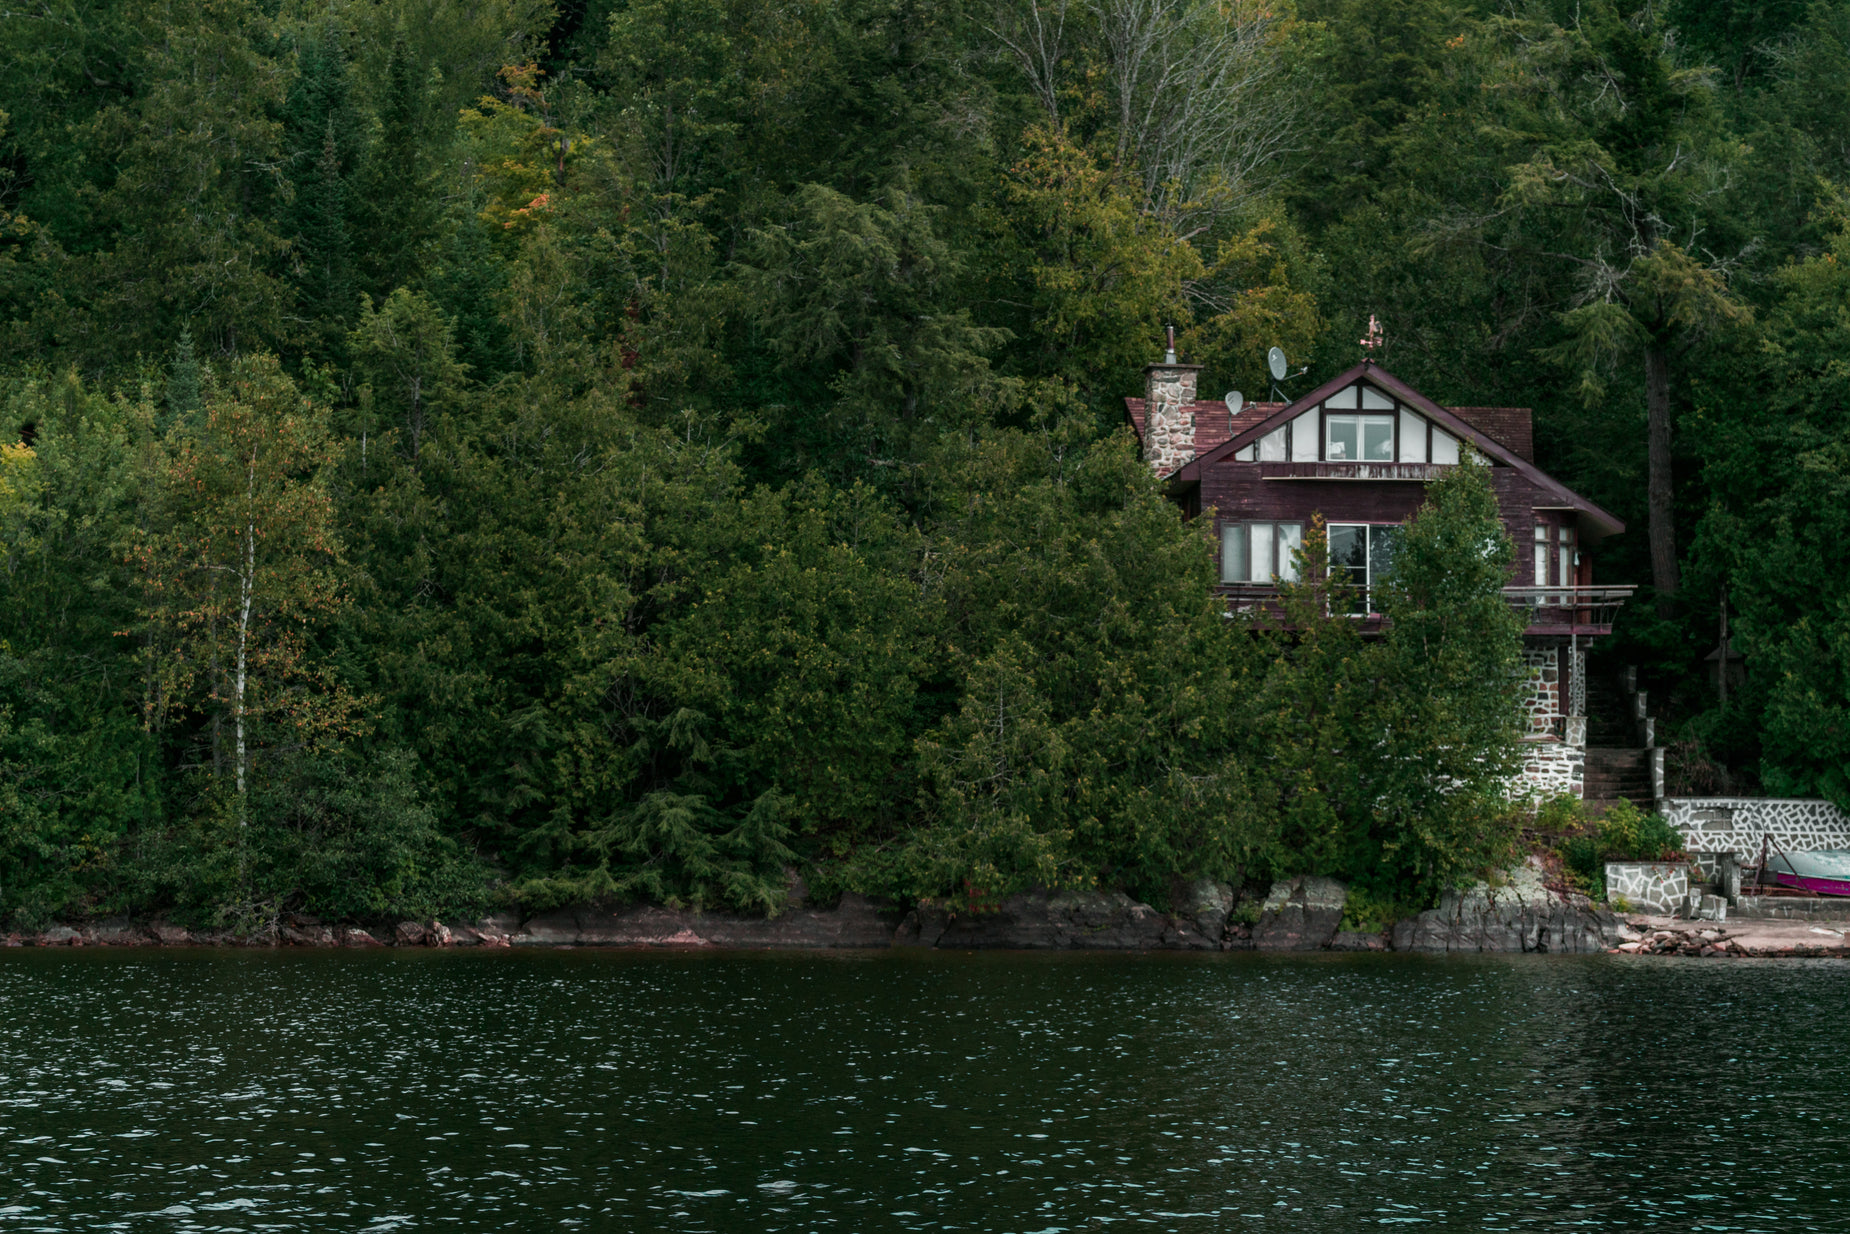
pixel 204 1091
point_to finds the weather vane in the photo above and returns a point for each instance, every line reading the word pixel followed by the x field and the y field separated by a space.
pixel 1372 339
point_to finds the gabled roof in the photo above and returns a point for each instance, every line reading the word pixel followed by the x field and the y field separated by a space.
pixel 1452 421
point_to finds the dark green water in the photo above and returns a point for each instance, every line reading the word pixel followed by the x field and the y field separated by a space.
pixel 208 1090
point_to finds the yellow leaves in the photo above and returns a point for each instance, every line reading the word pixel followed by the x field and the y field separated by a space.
pixel 523 156
pixel 18 484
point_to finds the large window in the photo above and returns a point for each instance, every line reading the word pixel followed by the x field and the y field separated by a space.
pixel 1259 552
pixel 1363 439
pixel 1361 554
pixel 1358 424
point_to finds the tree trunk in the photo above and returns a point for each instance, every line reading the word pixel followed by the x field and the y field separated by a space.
pixel 246 583
pixel 1658 492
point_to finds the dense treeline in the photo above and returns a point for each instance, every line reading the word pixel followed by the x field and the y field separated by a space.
pixel 640 449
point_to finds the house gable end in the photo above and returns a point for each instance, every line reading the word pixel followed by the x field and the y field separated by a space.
pixel 1387 390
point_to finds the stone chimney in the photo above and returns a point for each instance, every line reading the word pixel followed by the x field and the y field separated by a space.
pixel 1168 424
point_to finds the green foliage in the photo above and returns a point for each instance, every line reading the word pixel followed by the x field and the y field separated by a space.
pixel 1097 682
pixel 679 441
pixel 1371 912
pixel 1389 760
pixel 1623 833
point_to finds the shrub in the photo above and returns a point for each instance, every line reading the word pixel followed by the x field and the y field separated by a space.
pixel 1625 833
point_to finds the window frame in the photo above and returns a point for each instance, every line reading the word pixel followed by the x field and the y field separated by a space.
pixel 1287 436
pixel 1282 546
pixel 1370 533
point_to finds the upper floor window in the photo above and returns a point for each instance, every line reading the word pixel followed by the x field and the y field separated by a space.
pixel 1356 438
pixel 1358 424
pixel 1556 547
pixel 1259 552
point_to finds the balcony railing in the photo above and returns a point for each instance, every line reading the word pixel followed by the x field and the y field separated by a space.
pixel 1569 610
pixel 1583 611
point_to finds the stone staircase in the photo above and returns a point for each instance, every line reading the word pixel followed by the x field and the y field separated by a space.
pixel 1618 764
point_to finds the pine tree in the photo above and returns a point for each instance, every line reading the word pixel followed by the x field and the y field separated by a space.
pixel 182 379
pixel 321 140
pixel 467 284
pixel 394 211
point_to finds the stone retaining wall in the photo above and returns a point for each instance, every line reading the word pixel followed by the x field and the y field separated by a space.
pixel 1712 826
pixel 1648 886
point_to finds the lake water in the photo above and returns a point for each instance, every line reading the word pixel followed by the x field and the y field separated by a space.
pixel 306 1090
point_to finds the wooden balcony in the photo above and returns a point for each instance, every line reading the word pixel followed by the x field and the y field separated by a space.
pixel 1581 612
pixel 1586 612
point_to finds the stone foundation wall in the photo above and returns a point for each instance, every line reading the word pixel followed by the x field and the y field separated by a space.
pixel 1648 886
pixel 1550 768
pixel 1541 702
pixel 1712 826
pixel 1554 748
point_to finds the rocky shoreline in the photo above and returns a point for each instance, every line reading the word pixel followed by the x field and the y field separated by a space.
pixel 1516 914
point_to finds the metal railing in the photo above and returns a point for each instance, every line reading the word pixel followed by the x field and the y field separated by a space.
pixel 1570 608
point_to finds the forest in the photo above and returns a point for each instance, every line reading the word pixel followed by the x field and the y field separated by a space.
pixel 467 453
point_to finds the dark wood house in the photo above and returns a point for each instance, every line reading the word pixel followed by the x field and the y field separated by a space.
pixel 1358 450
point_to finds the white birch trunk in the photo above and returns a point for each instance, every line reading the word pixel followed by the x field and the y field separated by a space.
pixel 246 585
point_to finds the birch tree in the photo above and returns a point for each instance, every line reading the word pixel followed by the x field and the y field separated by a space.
pixel 1193 97
pixel 243 568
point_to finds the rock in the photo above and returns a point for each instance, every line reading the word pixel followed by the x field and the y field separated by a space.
pixel 1203 904
pixel 493 930
pixel 1520 914
pixel 354 936
pixel 436 934
pixel 1630 948
pixel 170 935
pixel 1069 920
pixel 1358 940
pixel 1713 908
pixel 410 934
pixel 853 922
pixel 119 932
pixel 60 936
pixel 308 936
pixel 1300 915
pixel 13 940
pixel 922 927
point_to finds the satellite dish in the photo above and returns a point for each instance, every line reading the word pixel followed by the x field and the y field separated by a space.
pixel 1235 401
pixel 1275 360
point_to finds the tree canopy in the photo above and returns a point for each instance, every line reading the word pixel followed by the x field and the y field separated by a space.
pixel 649 449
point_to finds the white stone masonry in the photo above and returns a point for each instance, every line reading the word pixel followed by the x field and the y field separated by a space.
pixel 1168 424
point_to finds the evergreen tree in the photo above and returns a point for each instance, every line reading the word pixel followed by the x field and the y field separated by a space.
pixel 394 208
pixel 468 283
pixel 321 140
pixel 182 379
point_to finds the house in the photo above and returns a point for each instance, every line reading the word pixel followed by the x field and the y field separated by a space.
pixel 1358 450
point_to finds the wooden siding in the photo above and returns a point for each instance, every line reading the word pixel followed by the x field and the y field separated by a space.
pixel 1241 492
